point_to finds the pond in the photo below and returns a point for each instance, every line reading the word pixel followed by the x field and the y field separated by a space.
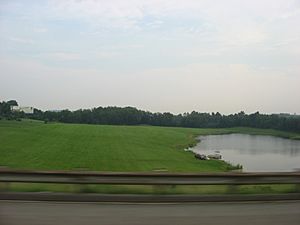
pixel 256 153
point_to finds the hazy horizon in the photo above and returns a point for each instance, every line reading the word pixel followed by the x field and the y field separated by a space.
pixel 159 55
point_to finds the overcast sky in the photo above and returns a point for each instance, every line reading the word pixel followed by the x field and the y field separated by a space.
pixel 157 55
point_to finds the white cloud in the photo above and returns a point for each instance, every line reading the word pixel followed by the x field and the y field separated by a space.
pixel 62 56
pixel 230 23
pixel 120 14
pixel 40 30
pixel 107 54
pixel 244 37
pixel 21 40
pixel 136 9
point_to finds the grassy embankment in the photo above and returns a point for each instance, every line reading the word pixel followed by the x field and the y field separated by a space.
pixel 55 146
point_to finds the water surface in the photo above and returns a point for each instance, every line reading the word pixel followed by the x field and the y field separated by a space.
pixel 254 152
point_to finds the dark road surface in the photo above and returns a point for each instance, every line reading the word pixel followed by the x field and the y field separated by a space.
pixel 45 213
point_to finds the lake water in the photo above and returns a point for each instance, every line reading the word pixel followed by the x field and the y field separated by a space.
pixel 255 152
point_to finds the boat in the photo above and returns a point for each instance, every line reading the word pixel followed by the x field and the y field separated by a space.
pixel 215 156
pixel 201 156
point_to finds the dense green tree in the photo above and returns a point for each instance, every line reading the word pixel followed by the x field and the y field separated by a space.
pixel 132 116
pixel 5 108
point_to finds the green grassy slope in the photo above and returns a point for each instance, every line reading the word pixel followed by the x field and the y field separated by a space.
pixel 56 146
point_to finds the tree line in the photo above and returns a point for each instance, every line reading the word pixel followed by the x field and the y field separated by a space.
pixel 133 116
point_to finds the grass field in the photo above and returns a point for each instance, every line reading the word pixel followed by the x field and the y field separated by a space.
pixel 57 146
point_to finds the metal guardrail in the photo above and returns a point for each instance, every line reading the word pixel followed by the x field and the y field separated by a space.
pixel 154 178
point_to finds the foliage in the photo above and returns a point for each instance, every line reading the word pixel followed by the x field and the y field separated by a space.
pixel 132 116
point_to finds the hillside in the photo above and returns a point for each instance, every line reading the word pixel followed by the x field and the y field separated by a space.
pixel 56 146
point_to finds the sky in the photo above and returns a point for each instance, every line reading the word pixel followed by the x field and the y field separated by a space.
pixel 157 55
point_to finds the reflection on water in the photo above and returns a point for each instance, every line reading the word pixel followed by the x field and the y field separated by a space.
pixel 254 152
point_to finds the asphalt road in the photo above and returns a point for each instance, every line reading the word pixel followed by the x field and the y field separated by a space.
pixel 46 213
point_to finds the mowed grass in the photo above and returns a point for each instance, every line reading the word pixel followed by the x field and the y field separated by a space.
pixel 55 146
pixel 37 146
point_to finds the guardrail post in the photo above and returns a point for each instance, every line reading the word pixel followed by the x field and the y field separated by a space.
pixel 4 186
pixel 162 188
pixel 82 188
pixel 232 188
